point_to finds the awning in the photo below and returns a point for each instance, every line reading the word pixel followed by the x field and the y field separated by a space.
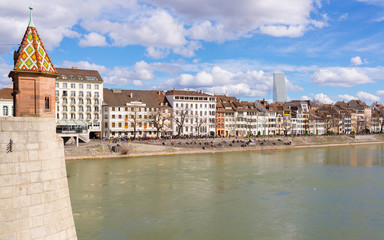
pixel 71 123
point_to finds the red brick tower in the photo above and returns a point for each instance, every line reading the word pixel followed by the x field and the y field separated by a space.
pixel 33 77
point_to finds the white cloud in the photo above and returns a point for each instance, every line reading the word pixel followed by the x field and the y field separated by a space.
pixel 367 97
pixel 356 61
pixel 346 97
pixel 4 71
pixel 322 98
pixel 138 75
pixel 305 98
pixel 92 40
pixel 221 81
pixel 380 93
pixel 340 77
pixel 159 25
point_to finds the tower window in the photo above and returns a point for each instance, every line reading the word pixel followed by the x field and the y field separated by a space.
pixel 46 102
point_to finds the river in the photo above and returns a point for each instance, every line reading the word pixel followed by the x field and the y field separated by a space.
pixel 313 193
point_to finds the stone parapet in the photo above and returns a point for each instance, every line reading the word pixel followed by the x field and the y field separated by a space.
pixel 34 195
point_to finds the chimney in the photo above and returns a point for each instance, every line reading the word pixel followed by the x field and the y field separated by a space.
pixel 131 94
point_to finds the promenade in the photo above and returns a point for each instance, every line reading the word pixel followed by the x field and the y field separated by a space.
pixel 97 149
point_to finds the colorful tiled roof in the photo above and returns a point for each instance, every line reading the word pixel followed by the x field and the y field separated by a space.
pixel 31 55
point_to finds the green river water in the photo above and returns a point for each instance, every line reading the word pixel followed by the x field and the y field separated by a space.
pixel 316 193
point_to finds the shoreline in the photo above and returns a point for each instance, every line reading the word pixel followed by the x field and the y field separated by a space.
pixel 190 151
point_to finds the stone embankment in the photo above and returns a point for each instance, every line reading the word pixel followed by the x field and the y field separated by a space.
pixel 108 149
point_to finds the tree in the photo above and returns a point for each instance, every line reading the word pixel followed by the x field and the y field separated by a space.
pixel 329 122
pixel 135 119
pixel 180 117
pixel 199 122
pixel 158 120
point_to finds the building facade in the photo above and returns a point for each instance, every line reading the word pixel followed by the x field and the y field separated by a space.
pixel 194 113
pixel 79 98
pixel 279 89
pixel 6 102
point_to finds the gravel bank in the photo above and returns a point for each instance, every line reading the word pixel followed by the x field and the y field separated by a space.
pixel 104 149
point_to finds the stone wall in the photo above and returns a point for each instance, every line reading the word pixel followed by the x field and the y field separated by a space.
pixel 34 195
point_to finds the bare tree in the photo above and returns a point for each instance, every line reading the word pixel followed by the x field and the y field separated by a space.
pixel 180 117
pixel 135 119
pixel 329 122
pixel 158 120
pixel 199 122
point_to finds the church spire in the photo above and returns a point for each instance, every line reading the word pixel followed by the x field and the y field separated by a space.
pixel 30 17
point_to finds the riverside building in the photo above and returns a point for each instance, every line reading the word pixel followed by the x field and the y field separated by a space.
pixel 6 102
pixel 194 112
pixel 135 114
pixel 79 97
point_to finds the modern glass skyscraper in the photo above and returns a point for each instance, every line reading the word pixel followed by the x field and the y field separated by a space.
pixel 279 90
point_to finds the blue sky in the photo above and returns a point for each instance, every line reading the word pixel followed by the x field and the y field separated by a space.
pixel 328 50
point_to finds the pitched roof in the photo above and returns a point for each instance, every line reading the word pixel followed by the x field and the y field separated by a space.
pixel 120 98
pixel 6 93
pixel 86 75
pixel 188 93
pixel 31 55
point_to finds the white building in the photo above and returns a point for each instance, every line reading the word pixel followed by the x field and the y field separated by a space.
pixel 194 113
pixel 6 102
pixel 135 114
pixel 79 97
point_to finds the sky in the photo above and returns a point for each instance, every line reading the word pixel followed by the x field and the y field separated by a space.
pixel 328 50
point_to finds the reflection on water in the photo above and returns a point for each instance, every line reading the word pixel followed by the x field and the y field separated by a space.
pixel 319 193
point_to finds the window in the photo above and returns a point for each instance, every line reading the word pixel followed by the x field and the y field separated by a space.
pixel 5 110
pixel 80 78
pixel 73 94
pixel 89 94
pixel 64 77
pixel 57 93
pixel 71 77
pixel 96 86
pixel 96 101
pixel 64 85
pixel 96 94
pixel 73 109
pixel 119 124
pixel 96 109
pixel 81 109
pixel 81 116
pixel 46 102
pixel 65 93
pixel 113 116
pixel 89 86
pixel 88 109
pixel 113 125
pixel 89 101
pixel 57 108
pixel 57 84
pixel 88 116
pixel 73 101
pixel 64 101
pixel 81 93
pixel 81 101
pixel 80 84
pixel 91 78
pixel 96 116
pixel 64 108
pixel 73 85
pixel 64 116
pixel 73 116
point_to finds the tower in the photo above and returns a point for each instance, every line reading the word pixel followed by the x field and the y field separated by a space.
pixel 33 77
pixel 279 90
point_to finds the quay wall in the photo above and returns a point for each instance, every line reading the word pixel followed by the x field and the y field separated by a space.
pixel 34 194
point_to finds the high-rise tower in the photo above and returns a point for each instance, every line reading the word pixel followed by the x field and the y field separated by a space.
pixel 279 90
pixel 33 77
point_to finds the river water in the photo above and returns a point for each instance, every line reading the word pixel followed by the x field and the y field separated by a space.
pixel 316 193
